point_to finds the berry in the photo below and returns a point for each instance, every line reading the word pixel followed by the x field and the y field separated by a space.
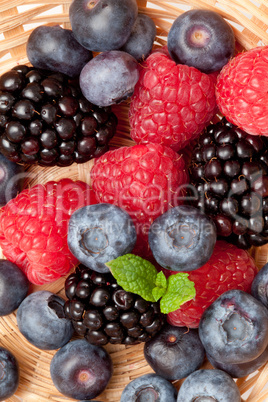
pixel 80 370
pixel 149 387
pixel 100 233
pixel 171 104
pixel 234 328
pixel 11 177
pixel 242 90
pixel 34 226
pixel 103 312
pixel 41 320
pixel 174 353
pixel 259 287
pixel 48 121
pixel 209 385
pixel 182 239
pixel 14 287
pixel 141 39
pixel 10 376
pixel 229 174
pixel 104 89
pixel 145 180
pixel 56 49
pixel 228 268
pixel 201 39
pixel 102 25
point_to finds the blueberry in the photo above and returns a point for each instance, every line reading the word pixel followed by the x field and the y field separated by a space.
pixel 80 370
pixel 14 287
pixel 109 78
pixel 149 387
pixel 101 25
pixel 174 352
pixel 234 328
pixel 9 374
pixel 55 48
pixel 100 233
pixel 242 369
pixel 141 40
pixel 41 319
pixel 201 39
pixel 209 385
pixel 182 239
pixel 259 287
pixel 11 179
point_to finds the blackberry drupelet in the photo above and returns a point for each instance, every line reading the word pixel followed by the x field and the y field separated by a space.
pixel 229 175
pixel 45 119
pixel 103 312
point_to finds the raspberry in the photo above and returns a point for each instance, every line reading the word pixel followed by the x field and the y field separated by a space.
pixel 228 268
pixel 171 103
pixel 145 180
pixel 34 225
pixel 242 91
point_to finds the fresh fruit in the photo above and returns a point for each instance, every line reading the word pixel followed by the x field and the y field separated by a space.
pixel 80 370
pixel 34 226
pixel 141 39
pixel 103 312
pixel 55 48
pixel 149 387
pixel 109 78
pixel 229 174
pixel 14 287
pixel 174 353
pixel 242 90
pixel 48 120
pixel 259 287
pixel 171 104
pixel 41 320
pixel 202 39
pixel 234 328
pixel 145 180
pixel 11 177
pixel 228 268
pixel 209 385
pixel 10 375
pixel 182 239
pixel 100 233
pixel 101 25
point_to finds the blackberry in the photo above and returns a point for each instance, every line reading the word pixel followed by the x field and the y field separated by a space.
pixel 103 312
pixel 229 178
pixel 45 119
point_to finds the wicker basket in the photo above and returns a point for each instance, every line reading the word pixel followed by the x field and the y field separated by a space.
pixel 17 19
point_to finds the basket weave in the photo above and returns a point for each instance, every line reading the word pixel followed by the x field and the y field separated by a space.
pixel 250 23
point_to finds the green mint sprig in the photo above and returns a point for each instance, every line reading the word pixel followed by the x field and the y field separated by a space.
pixel 137 275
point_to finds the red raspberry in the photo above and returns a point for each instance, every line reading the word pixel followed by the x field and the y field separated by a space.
pixel 145 180
pixel 242 91
pixel 171 104
pixel 34 226
pixel 228 268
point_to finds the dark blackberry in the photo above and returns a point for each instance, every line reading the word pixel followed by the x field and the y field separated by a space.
pixel 229 172
pixel 103 312
pixel 45 119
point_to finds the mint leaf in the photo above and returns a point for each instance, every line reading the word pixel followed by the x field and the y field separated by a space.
pixel 161 286
pixel 135 275
pixel 179 290
pixel 158 292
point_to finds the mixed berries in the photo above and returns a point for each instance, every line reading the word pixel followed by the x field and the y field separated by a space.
pixel 138 265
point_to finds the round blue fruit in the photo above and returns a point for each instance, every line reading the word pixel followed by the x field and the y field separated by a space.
pixel 56 49
pixel 100 233
pixel 201 39
pixel 259 287
pixel 80 370
pixel 11 174
pixel 182 239
pixel 9 374
pixel 14 287
pixel 101 25
pixel 209 385
pixel 41 320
